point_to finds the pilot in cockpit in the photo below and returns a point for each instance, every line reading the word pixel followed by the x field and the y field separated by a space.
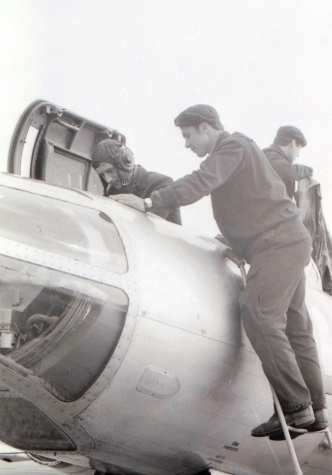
pixel 115 165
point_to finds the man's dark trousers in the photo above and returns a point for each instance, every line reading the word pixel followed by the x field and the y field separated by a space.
pixel 275 317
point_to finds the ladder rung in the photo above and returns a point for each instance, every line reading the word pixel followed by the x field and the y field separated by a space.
pixel 298 431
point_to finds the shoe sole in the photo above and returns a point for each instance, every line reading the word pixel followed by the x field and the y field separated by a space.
pixel 281 435
pixel 318 426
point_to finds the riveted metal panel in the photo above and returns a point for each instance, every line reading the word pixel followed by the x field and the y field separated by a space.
pixel 182 318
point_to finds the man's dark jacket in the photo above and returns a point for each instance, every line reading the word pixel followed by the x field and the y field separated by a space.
pixel 143 184
pixel 248 198
pixel 288 172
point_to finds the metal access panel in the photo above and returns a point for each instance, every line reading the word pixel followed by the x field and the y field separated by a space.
pixel 55 145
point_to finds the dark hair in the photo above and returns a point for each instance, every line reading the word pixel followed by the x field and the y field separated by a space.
pixel 215 126
pixel 287 133
pixel 284 141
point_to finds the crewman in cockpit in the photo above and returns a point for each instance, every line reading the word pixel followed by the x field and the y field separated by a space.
pixel 283 153
pixel 115 164
pixel 262 225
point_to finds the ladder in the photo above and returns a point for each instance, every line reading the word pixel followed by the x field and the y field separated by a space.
pixel 327 441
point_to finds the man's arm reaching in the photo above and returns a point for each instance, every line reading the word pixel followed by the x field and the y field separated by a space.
pixel 130 200
pixel 214 172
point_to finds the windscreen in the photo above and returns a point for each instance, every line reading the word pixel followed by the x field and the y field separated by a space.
pixel 63 327
pixel 61 228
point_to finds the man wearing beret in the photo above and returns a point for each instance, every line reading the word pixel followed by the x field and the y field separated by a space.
pixel 283 153
pixel 262 225
pixel 115 164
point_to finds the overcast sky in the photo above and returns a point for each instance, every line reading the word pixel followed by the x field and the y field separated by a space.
pixel 134 65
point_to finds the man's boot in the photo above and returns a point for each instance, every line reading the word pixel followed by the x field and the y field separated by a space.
pixel 297 419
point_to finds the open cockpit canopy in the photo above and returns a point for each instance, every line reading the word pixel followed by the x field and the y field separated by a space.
pixel 55 145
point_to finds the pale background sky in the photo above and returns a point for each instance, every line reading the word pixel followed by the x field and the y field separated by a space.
pixel 135 64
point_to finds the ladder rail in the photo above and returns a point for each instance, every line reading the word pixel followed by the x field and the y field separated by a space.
pixel 284 426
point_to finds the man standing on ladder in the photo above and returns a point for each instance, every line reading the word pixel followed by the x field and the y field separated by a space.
pixel 262 225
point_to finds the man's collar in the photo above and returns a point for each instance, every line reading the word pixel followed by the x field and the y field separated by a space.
pixel 222 136
pixel 139 174
pixel 276 148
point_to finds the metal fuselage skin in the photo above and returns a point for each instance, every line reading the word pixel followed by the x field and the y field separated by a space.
pixel 121 342
pixel 182 387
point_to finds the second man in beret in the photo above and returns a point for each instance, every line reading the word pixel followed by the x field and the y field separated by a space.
pixel 283 153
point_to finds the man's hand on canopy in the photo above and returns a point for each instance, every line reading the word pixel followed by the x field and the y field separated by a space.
pixel 130 200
